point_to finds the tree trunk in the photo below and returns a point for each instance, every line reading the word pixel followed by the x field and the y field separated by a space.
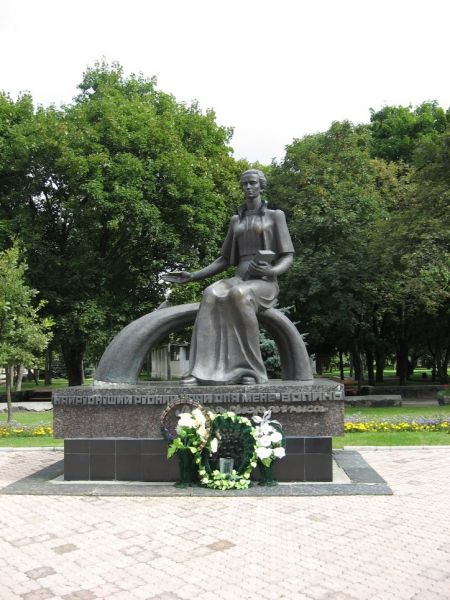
pixel 341 365
pixel 380 362
pixel 370 370
pixel 48 366
pixel 443 370
pixel 319 364
pixel 358 366
pixel 357 363
pixel 433 371
pixel 73 359
pixel 18 384
pixel 402 362
pixel 412 365
pixel 9 372
pixel 352 368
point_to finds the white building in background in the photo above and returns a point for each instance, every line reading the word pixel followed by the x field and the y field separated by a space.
pixel 171 360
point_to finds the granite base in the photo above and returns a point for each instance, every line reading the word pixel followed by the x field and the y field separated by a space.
pixel 304 408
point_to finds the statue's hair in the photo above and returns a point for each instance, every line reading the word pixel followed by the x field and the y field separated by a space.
pixel 261 177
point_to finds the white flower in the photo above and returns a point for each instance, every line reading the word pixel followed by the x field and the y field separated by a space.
pixel 263 453
pixel 214 445
pixel 276 437
pixel 185 420
pixel 279 452
pixel 265 441
pixel 201 432
pixel 264 429
pixel 198 416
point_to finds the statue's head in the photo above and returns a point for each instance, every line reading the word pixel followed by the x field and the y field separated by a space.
pixel 259 174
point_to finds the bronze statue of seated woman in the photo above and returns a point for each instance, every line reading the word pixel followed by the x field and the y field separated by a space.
pixel 225 340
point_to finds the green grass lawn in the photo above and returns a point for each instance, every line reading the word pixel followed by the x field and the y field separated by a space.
pixel 30 418
pixel 29 442
pixel 400 411
pixel 56 383
pixel 403 438
pixel 390 378
pixel 30 385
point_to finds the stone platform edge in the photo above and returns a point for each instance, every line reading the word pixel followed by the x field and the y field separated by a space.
pixel 364 481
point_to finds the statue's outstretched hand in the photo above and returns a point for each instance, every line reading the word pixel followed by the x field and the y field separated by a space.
pixel 177 277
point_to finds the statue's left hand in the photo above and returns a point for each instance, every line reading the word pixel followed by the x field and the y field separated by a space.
pixel 260 269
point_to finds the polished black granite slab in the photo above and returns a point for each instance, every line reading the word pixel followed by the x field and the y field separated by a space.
pixel 109 459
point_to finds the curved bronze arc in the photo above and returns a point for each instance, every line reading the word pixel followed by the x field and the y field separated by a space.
pixel 123 359
pixel 295 363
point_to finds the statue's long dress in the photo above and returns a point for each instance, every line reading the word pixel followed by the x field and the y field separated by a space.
pixel 225 340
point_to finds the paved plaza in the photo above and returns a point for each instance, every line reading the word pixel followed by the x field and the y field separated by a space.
pixel 334 547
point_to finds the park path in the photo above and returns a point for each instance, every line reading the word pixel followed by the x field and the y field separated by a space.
pixel 346 547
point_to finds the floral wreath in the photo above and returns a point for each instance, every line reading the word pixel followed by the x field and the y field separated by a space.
pixel 238 478
pixel 198 418
pixel 201 435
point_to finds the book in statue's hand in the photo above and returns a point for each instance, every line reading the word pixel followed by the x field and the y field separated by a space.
pixel 262 257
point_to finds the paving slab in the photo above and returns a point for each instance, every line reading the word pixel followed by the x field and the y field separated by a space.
pixel 224 547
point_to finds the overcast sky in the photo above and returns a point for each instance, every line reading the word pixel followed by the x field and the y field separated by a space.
pixel 273 70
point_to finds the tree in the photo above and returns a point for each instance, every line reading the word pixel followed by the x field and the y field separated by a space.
pixel 372 244
pixel 414 248
pixel 121 185
pixel 396 130
pixel 330 188
pixel 13 159
pixel 23 334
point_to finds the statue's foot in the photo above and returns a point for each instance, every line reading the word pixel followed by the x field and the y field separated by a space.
pixel 248 381
pixel 189 380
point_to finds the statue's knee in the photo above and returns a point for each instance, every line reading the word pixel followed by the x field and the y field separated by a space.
pixel 209 295
pixel 238 295
pixel 214 293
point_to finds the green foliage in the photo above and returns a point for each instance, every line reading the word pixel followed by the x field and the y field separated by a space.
pixel 371 273
pixel 270 355
pixel 413 246
pixel 113 189
pixel 23 334
pixel 329 186
pixel 125 183
pixel 397 129
pixel 269 350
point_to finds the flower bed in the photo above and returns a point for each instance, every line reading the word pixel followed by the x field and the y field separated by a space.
pixel 360 424
pixel 24 431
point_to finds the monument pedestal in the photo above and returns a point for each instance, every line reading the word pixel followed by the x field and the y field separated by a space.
pixel 126 459
pixel 114 433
